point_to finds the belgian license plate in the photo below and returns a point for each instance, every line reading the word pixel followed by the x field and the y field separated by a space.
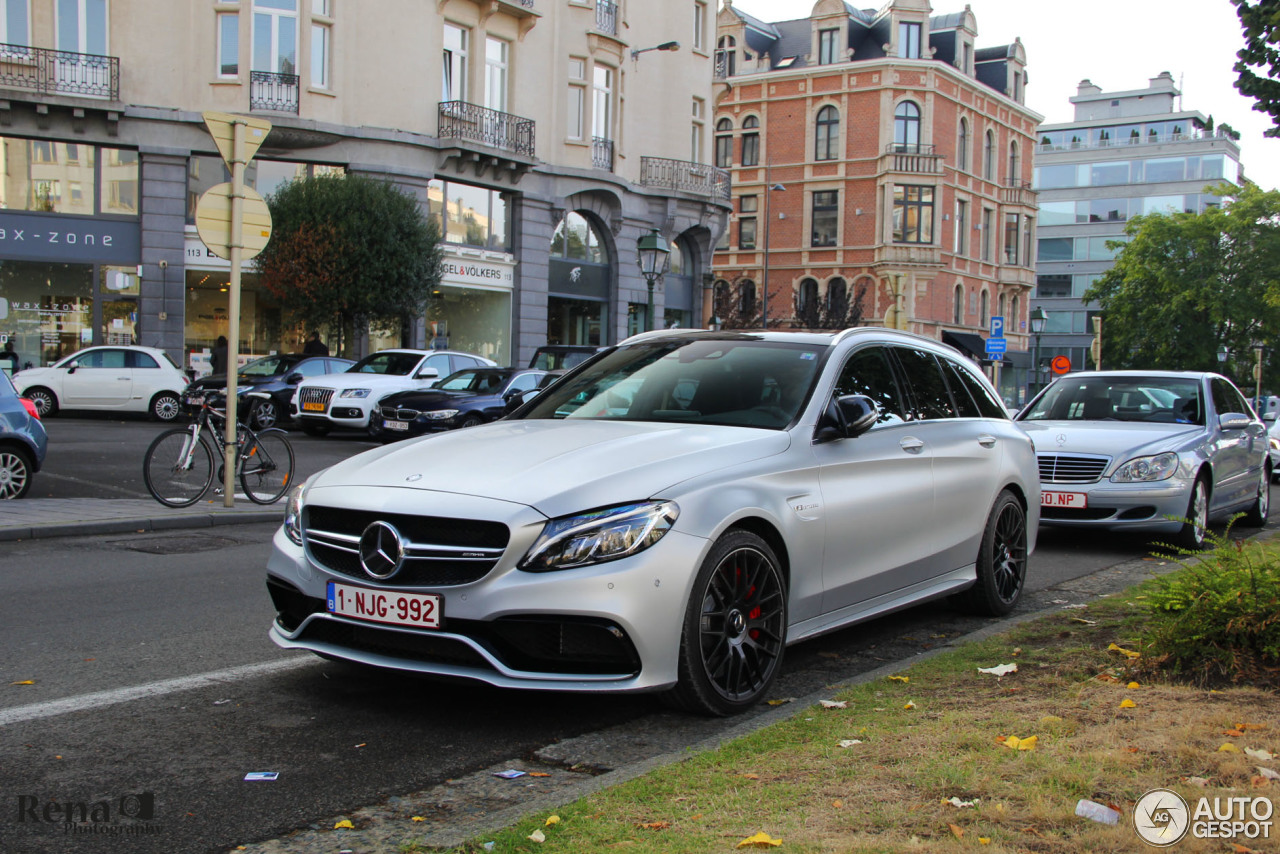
pixel 396 425
pixel 313 407
pixel 1064 499
pixel 422 610
pixel 195 399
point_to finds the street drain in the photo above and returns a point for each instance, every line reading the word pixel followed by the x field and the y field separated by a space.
pixel 175 545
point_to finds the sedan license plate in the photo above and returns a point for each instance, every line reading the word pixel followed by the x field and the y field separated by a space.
pixel 195 399
pixel 396 425
pixel 422 610
pixel 1064 499
pixel 313 407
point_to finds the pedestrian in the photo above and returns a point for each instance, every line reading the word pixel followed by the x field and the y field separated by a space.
pixel 315 347
pixel 218 358
pixel 9 354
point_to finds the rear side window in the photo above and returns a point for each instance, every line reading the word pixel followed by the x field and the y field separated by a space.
pixel 982 404
pixel 141 360
pixel 868 372
pixel 928 388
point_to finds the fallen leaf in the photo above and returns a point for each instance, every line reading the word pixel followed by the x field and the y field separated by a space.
pixel 1126 703
pixel 911 704
pixel 1228 747
pixel 849 742
pixel 24 682
pixel 1106 677
pixel 417 818
pixel 1017 651
pixel 760 840
pixel 837 804
pixel 1259 754
pixel 1014 743
pixel 346 822
pixel 783 701
pixel 751 776
pixel 1127 653
pixel 999 669
pixel 1237 848
pixel 1133 686
pixel 656 825
pixel 1251 726
pixel 834 704
pixel 1077 620
pixel 899 678
pixel 984 840
pixel 551 819
pixel 1267 773
pixel 1197 781
pixel 361 744
pixel 1259 782
pixel 1233 733
pixel 957 803
pixel 958 831
pixel 537 836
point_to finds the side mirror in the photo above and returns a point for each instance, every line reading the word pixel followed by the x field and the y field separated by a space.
pixel 1234 421
pixel 846 418
pixel 71 367
pixel 428 374
pixel 517 399
pixel 1270 416
pixel 293 379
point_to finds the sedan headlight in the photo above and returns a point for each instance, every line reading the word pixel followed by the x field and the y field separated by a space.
pixel 354 392
pixel 293 515
pixel 599 536
pixel 1146 469
pixel 440 414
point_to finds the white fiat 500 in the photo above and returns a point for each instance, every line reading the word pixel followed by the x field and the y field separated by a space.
pixel 123 378
pixel 668 517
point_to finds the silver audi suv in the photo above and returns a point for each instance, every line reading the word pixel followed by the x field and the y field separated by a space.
pixel 668 516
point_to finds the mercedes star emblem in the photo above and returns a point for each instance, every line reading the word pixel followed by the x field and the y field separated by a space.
pixel 381 551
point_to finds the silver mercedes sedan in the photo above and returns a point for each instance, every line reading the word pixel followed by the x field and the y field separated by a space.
pixel 1157 452
pixel 668 516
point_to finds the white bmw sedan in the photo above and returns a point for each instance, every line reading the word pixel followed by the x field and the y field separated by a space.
pixel 668 517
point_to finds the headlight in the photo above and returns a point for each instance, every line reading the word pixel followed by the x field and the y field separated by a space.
pixel 599 536
pixel 354 392
pixel 440 414
pixel 293 515
pixel 1145 469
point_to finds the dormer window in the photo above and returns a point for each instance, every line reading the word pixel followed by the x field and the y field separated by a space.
pixel 828 46
pixel 908 40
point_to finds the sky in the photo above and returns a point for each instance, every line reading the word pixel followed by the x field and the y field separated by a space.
pixel 1117 44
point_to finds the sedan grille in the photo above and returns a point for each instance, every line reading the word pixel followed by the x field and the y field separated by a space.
pixel 321 396
pixel 1068 468
pixel 438 551
pixel 396 414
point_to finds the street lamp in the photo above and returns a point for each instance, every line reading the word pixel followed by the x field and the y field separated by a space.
pixel 652 254
pixel 1038 319
pixel 1223 354
pixel 1257 376
pixel 768 193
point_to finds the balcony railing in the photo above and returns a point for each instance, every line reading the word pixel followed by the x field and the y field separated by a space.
pixel 684 176
pixel 602 153
pixel 461 120
pixel 607 17
pixel 1018 193
pixel 271 91
pixel 1191 135
pixel 912 157
pixel 39 69
pixel 903 253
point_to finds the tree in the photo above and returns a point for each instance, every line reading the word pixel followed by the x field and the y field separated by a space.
pixel 350 250
pixel 1260 21
pixel 840 310
pixel 1185 285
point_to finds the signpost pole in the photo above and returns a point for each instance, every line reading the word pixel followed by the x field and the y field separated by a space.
pixel 233 313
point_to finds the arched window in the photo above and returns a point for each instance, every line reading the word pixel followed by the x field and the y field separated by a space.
pixel 726 57
pixel 1013 163
pixel 837 297
pixel 962 147
pixel 1000 307
pixel 807 301
pixel 578 239
pixel 750 141
pixel 724 143
pixel 906 127
pixel 984 309
pixel 747 297
pixel 989 156
pixel 957 315
pixel 1013 321
pixel 827 136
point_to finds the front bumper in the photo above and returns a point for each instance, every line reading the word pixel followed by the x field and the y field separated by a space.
pixel 1123 506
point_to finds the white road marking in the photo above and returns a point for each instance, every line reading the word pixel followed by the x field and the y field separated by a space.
pixel 98 699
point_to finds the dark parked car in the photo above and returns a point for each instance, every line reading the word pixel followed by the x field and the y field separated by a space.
pixel 276 375
pixel 22 441
pixel 462 399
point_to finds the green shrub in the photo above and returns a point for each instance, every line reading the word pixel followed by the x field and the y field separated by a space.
pixel 1217 620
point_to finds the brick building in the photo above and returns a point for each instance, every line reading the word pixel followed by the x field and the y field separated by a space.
pixel 881 167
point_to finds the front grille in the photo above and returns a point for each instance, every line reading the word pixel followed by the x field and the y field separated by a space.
pixel 1067 468
pixel 439 551
pixel 1077 514
pixel 415 646
pixel 321 396
pixel 396 414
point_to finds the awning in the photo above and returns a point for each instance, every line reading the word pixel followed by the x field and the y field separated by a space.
pixel 966 342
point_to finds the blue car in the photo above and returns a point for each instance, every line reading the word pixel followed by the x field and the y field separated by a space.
pixel 22 441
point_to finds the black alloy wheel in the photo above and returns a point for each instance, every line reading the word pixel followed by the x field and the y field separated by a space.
pixel 1002 560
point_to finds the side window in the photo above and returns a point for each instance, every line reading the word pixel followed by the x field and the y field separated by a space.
pixel 961 381
pixel 440 362
pixel 523 382
pixel 1227 399
pixel 312 368
pixel 140 360
pixel 868 372
pixel 113 358
pixel 92 359
pixel 924 376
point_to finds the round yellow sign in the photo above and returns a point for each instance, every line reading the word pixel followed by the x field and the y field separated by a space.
pixel 213 222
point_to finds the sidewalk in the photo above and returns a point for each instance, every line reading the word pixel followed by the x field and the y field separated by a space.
pixel 42 518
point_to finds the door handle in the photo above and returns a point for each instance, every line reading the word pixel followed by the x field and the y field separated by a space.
pixel 911 445
pixel 987 441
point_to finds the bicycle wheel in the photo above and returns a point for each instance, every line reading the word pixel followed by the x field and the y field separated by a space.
pixel 176 473
pixel 266 467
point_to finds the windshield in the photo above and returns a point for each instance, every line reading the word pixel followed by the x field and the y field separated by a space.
pixel 268 366
pixel 1120 398
pixel 474 379
pixel 396 364
pixel 742 381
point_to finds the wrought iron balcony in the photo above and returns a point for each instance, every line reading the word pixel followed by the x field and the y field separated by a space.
pixel 607 17
pixel 685 176
pixel 271 91
pixel 602 153
pixel 461 120
pixel 911 157
pixel 38 69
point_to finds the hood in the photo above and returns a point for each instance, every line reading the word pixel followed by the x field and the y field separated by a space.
pixel 341 381
pixel 558 467
pixel 1119 440
pixel 422 399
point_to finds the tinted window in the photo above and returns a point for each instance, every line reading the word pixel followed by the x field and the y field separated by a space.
pixel 1226 398
pixel 313 367
pixel 141 360
pixel 440 362
pixel 928 388
pixel 868 372
pixel 963 381
pixel 396 364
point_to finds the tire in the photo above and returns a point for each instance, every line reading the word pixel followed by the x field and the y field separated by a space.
pixel 735 628
pixel 166 481
pixel 46 401
pixel 16 471
pixel 471 421
pixel 266 473
pixel 1256 515
pixel 375 429
pixel 264 415
pixel 1002 560
pixel 1191 536
pixel 165 406
pixel 315 428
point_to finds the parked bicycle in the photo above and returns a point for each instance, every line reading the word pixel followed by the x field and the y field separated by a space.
pixel 179 466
